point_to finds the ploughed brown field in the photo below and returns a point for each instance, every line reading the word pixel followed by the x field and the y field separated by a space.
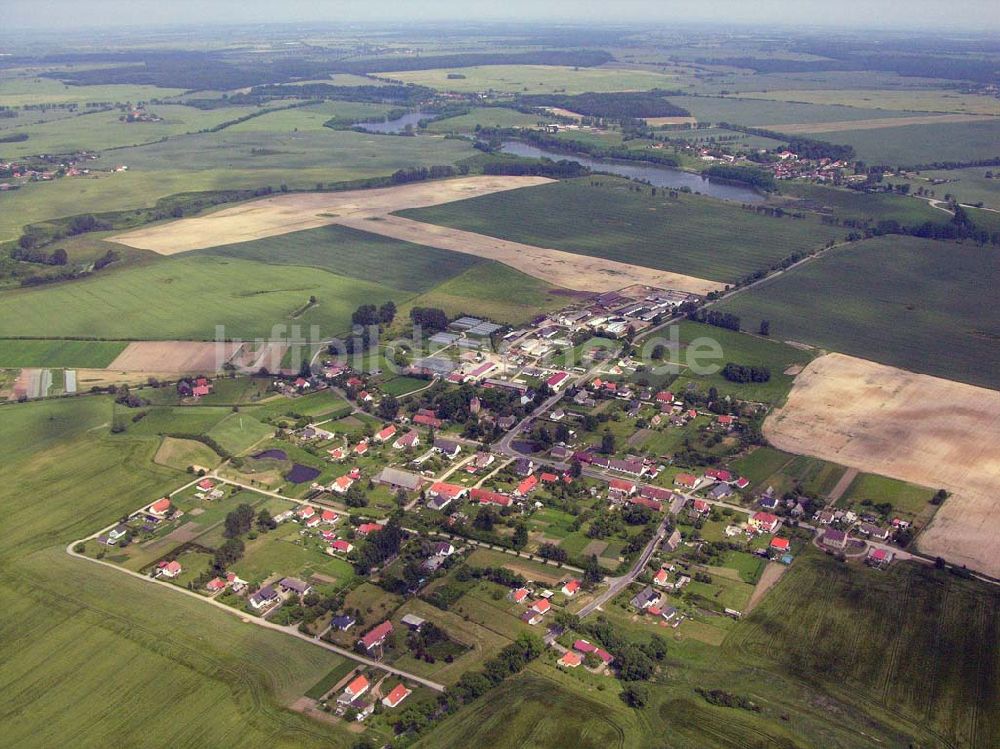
pixel 918 428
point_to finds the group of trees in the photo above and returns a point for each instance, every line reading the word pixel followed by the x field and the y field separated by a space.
pixel 430 319
pixel 379 547
pixel 725 320
pixel 743 373
pixel 745 175
pixel 612 105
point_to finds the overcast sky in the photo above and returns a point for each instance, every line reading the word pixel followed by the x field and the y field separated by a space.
pixel 983 15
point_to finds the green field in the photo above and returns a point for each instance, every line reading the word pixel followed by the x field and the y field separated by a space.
pixel 916 645
pixel 96 634
pixel 22 91
pixel 888 101
pixel 98 131
pixel 56 353
pixel 922 144
pixel 907 500
pixel 311 118
pixel 758 113
pixel 688 234
pixel 186 297
pixel 288 151
pixel 858 206
pixel 738 348
pixel 967 185
pixel 911 303
pixel 486 117
pixel 492 290
pixel 536 79
pixel 355 254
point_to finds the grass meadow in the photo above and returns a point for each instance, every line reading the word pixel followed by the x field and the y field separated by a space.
pixel 688 234
pixel 758 112
pixel 911 303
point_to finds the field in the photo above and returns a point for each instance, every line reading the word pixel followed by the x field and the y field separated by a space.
pixel 486 117
pixel 907 302
pixel 967 185
pixel 856 206
pixel 173 356
pixel 909 501
pixel 924 144
pixel 914 644
pixel 29 90
pixel 186 298
pixel 914 100
pixel 98 131
pixel 765 467
pixel 879 123
pixel 679 235
pixel 924 430
pixel 99 635
pixel 181 453
pixel 759 113
pixel 282 214
pixel 738 348
pixel 537 79
pixel 567 269
pixel 56 353
pixel 355 254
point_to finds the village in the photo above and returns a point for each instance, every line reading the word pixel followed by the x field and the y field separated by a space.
pixel 497 478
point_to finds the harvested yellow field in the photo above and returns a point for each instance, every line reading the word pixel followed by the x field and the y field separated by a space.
pixel 917 428
pixel 579 272
pixel 875 124
pixel 282 214
pixel 173 356
pixel 657 121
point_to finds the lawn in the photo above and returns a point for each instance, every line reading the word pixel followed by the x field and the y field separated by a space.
pixel 355 254
pixel 56 353
pixel 181 453
pixel 911 642
pixel 99 634
pixel 967 185
pixel 930 100
pixel 765 466
pixel 907 302
pixel 238 432
pixel 858 206
pixel 186 297
pixel 687 234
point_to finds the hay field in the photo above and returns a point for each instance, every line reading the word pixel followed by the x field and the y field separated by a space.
pixel 286 213
pixel 558 267
pixel 174 356
pixel 917 428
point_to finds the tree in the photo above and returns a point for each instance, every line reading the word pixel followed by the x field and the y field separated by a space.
pixel 592 573
pixel 484 519
pixel 634 664
pixel 608 443
pixel 765 327
pixel 387 313
pixel 388 407
pixel 520 539
pixel 239 521
pixel 264 520
pixel 354 497
pixel 58 257
pixel 635 695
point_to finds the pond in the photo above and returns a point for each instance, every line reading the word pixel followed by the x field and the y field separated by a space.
pixel 300 474
pixel 271 455
pixel 397 125
pixel 654 174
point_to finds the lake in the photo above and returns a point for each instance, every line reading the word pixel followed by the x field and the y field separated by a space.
pixel 654 174
pixel 397 125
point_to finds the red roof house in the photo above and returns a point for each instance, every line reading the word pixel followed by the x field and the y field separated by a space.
pixel 376 636
pixel 397 695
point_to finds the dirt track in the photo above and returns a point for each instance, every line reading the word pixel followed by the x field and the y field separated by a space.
pixel 281 214
pixel 875 124
pixel 913 427
pixel 580 272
